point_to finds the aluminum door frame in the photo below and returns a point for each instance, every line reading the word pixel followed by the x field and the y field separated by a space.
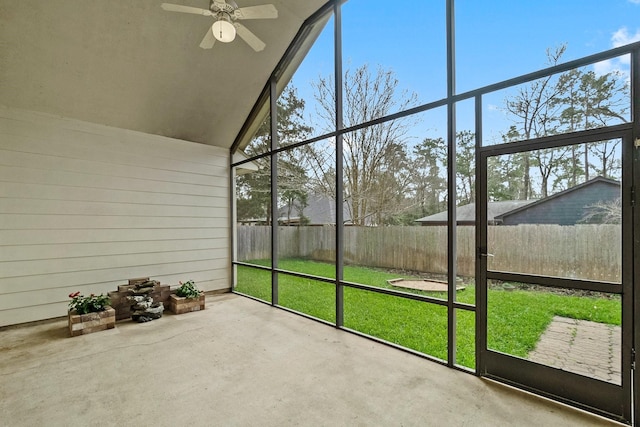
pixel 594 395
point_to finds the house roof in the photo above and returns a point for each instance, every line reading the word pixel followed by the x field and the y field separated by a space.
pixel 466 214
pixel 320 210
pixel 132 65
pixel 497 211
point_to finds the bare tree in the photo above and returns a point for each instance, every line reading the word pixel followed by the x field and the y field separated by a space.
pixel 372 154
pixel 609 212
pixel 534 107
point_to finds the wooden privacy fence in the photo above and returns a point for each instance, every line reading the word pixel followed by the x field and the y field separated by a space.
pixel 590 252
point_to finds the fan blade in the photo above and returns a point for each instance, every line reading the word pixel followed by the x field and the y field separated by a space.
pixel 251 39
pixel 185 9
pixel 209 40
pixel 265 11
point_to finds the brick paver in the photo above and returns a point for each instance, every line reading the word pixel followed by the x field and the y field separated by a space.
pixel 583 347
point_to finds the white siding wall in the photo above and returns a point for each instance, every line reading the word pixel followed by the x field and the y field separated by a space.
pixel 85 207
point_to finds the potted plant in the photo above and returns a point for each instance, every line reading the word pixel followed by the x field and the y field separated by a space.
pixel 90 314
pixel 187 298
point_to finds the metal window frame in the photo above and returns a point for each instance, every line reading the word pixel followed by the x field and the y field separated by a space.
pixel 450 101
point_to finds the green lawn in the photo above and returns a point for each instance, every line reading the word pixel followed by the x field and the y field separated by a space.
pixel 516 318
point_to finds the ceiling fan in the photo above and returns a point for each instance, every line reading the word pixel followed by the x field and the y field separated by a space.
pixel 226 14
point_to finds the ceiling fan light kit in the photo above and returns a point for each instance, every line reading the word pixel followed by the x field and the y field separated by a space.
pixel 223 31
pixel 226 14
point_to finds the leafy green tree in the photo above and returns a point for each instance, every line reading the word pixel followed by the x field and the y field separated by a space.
pixel 549 162
pixel 465 167
pixel 589 101
pixel 430 187
pixel 292 187
pixel 254 189
pixel 253 194
pixel 574 100
pixel 505 173
pixel 504 177
pixel 570 118
pixel 391 184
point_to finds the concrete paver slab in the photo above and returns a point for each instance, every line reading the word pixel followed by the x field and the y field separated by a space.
pixel 583 347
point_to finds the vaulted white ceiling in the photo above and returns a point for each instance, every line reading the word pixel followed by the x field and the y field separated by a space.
pixel 130 64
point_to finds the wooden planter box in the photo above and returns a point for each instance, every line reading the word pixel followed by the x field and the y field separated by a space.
pixel 179 305
pixel 81 324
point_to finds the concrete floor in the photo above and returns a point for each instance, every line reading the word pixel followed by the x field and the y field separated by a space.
pixel 242 363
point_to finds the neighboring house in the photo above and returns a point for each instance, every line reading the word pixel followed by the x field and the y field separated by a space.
pixel 320 210
pixel 567 207
pixel 466 215
pixel 253 221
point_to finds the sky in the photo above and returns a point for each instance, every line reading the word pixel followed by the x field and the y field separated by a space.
pixel 495 40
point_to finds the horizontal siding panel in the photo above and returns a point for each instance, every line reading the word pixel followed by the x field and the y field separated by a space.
pixel 70 222
pixel 60 265
pixel 74 179
pixel 95 151
pixel 14 238
pixel 56 162
pixel 93 146
pixel 32 313
pixel 217 197
pixel 86 207
pixel 211 280
pixel 23 120
pixel 207 155
pixel 44 296
pixel 79 279
pixel 55 207
pixel 71 250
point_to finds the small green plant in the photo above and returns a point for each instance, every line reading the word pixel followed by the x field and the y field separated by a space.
pixel 188 290
pixel 91 304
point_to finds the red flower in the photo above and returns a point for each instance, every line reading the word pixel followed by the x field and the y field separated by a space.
pixel 74 294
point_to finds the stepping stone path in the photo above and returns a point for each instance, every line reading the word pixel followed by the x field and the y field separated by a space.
pixel 583 347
